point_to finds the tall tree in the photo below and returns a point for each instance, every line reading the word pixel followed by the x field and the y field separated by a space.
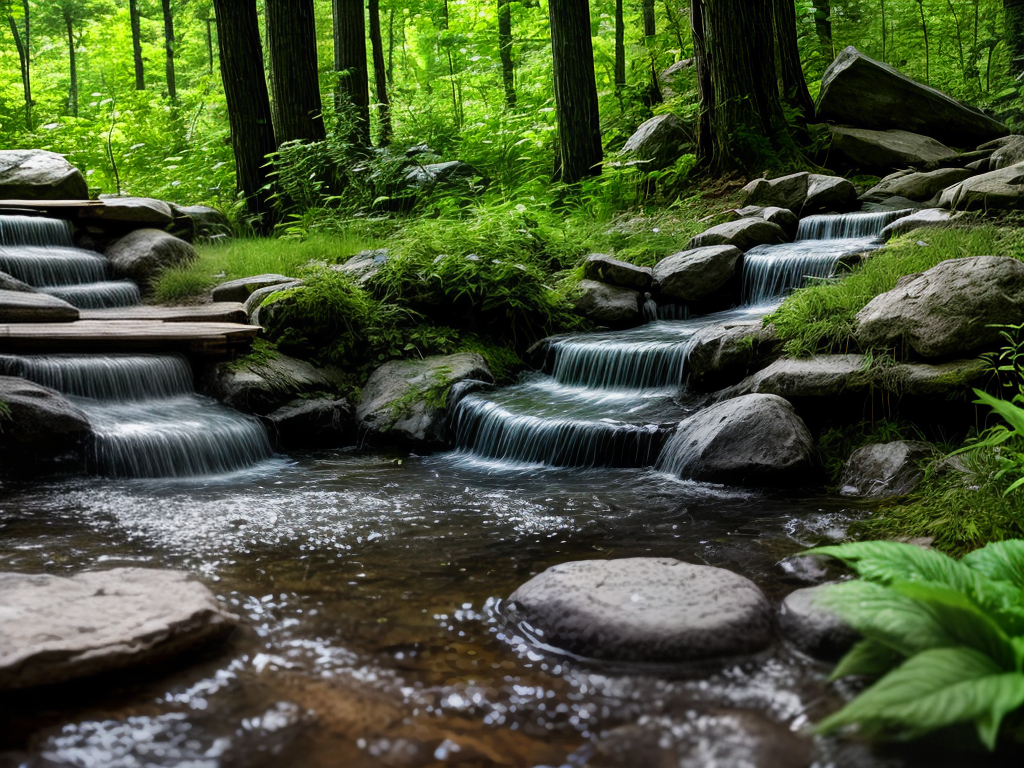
pixel 508 72
pixel 64 18
pixel 579 126
pixel 380 75
pixel 791 72
pixel 245 88
pixel 294 84
pixel 136 21
pixel 22 45
pixel 350 64
pixel 1013 24
pixel 653 95
pixel 823 27
pixel 169 44
pixel 620 48
pixel 68 15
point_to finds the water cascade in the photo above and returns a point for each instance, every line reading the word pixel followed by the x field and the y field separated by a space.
pixel 614 398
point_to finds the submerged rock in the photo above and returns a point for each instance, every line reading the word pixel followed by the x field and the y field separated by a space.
pixel 319 422
pixel 813 629
pixel 34 174
pixel 20 306
pixel 743 234
pixel 608 305
pixel 644 609
pixel 754 440
pixel 143 254
pixel 260 386
pixel 996 189
pixel 697 274
pixel 41 422
pixel 883 470
pixel 406 401
pixel 605 269
pixel 885 150
pixel 57 629
pixel 659 142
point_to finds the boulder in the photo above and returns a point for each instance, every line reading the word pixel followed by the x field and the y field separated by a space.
pixel 33 174
pixel 784 192
pixel 753 439
pixel 406 400
pixel 11 283
pixel 929 218
pixel 918 186
pixel 442 174
pixel 814 629
pixel 784 218
pixel 884 470
pixel 996 189
pixel 857 90
pixel 131 211
pixel 608 304
pixel 143 254
pixel 319 422
pixel 659 142
pixel 365 265
pixel 744 234
pixel 722 354
pixel 820 376
pixel 41 422
pixel 242 288
pixel 253 306
pixel 644 609
pixel 260 386
pixel 697 274
pixel 605 269
pixel 947 311
pixel 206 223
pixel 25 307
pixel 829 194
pixel 939 380
pixel 1007 151
pixel 54 629
pixel 886 150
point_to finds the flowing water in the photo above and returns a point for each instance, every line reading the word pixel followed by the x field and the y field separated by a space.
pixel 371 587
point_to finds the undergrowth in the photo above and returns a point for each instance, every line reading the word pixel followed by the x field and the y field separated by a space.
pixel 837 444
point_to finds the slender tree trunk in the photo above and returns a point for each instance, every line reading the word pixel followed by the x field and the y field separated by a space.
pixel 140 73
pixel 1013 24
pixel 380 76
pixel 294 85
pixel 508 72
pixel 705 91
pixel 209 44
pixel 579 127
pixel 350 64
pixel 391 47
pixel 23 62
pixel 650 31
pixel 959 39
pixel 672 14
pixel 620 48
pixel 882 2
pixel 794 85
pixel 456 105
pixel 823 26
pixel 172 86
pixel 927 53
pixel 245 88
pixel 72 66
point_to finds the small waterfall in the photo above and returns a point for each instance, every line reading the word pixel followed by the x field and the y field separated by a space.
pixel 847 225
pixel 105 295
pixel 33 230
pixel 117 378
pixel 41 266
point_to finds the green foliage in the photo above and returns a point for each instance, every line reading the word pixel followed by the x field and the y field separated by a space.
pixel 948 637
pixel 836 444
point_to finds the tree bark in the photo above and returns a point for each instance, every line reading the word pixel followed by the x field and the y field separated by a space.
pixel 1013 24
pixel 508 72
pixel 172 86
pixel 391 47
pixel 350 64
pixel 650 30
pixel 380 75
pixel 140 73
pixel 294 84
pixel 823 26
pixel 245 88
pixel 705 91
pixel 791 73
pixel 620 48
pixel 23 62
pixel 579 127
pixel 209 44
pixel 72 65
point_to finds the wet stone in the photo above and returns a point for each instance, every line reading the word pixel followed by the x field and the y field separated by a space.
pixel 883 470
pixel 812 629
pixel 644 610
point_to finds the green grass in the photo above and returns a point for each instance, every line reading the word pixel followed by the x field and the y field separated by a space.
pixel 820 318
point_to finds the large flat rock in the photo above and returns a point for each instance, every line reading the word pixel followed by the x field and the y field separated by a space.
pixel 888 150
pixel 24 307
pixel 34 174
pixel 820 376
pixel 1003 189
pixel 55 629
pixel 919 187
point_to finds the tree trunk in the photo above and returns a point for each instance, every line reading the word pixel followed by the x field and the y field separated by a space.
pixel 391 47
pixel 705 92
pixel 172 86
pixel 140 73
pixel 650 30
pixel 245 88
pixel 927 53
pixel 26 83
pixel 579 127
pixel 1013 24
pixel 209 44
pixel 823 26
pixel 72 66
pixel 350 64
pixel 620 48
pixel 791 73
pixel 380 75
pixel 294 84
pixel 508 72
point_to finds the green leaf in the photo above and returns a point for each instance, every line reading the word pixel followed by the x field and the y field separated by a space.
pixel 867 658
pixel 935 689
pixel 1000 561
pixel 1011 414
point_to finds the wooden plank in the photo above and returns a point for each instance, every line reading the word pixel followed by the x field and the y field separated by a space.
pixel 217 312
pixel 113 336
pixel 46 204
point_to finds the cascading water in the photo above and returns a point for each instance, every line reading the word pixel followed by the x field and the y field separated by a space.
pixel 612 399
pixel 146 419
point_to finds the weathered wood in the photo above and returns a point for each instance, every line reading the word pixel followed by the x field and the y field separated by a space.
pixel 112 336
pixel 217 312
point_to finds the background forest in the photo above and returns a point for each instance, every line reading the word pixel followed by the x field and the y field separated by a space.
pixel 151 119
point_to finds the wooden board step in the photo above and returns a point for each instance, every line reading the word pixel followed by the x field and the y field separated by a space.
pixel 118 336
pixel 217 312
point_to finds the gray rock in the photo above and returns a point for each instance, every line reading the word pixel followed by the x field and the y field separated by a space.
pixel 265 385
pixel 11 283
pixel 884 470
pixel 365 265
pixel 996 189
pixel 242 288
pixel 893 204
pixel 1008 151
pixel 659 142
pixel 143 254
pixel 783 192
pixel 33 174
pixel 39 416
pixel 919 186
pixel 608 304
pixel 605 269
pixel 930 218
pixel 857 90
pixel 829 194
pixel 137 211
pixel 644 609
pixel 947 311
pixel 406 400
pixel 314 423
pixel 744 234
pixel 442 174
pixel 697 274
pixel 813 629
pixel 979 166
pixel 886 150
pixel 57 629
pixel 722 354
pixel 24 307
pixel 820 376
pixel 784 218
pixel 206 223
pixel 753 439
pixel 938 381
pixel 254 309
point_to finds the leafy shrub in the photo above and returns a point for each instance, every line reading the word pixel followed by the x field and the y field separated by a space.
pixel 946 636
